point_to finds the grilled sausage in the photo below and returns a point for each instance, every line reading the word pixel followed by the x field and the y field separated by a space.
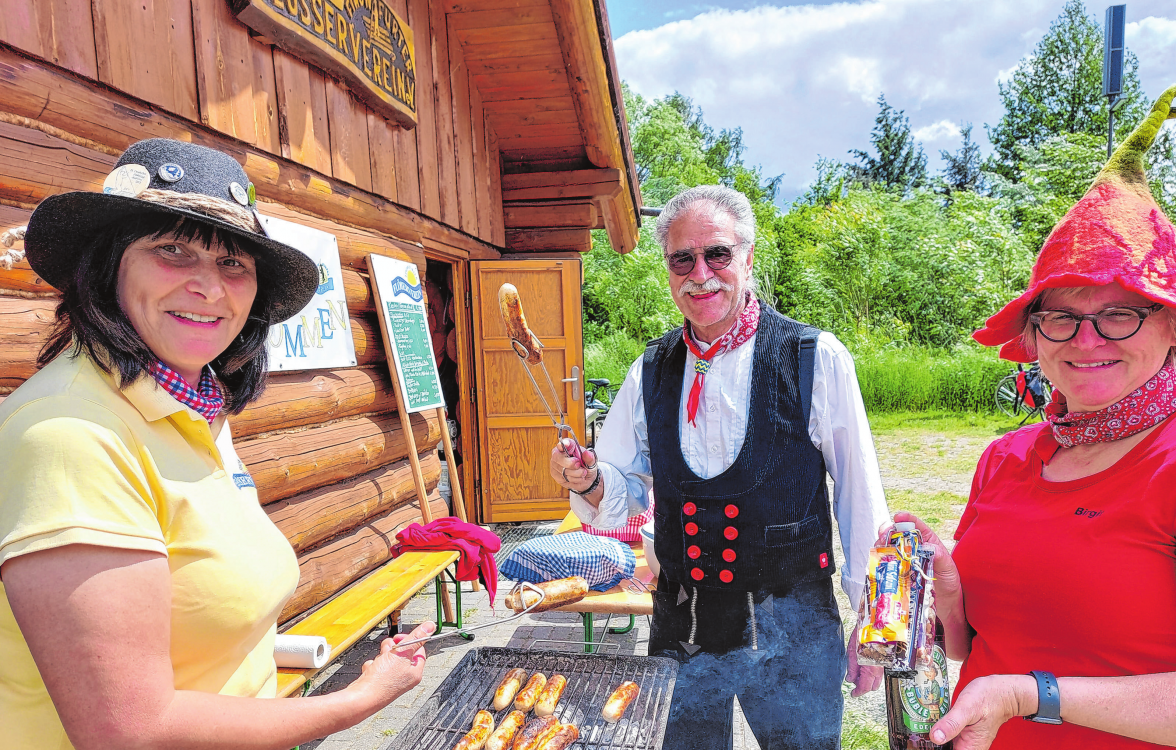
pixel 506 731
pixel 508 687
pixel 533 735
pixel 563 737
pixel 615 707
pixel 511 309
pixel 549 698
pixel 526 700
pixel 476 737
pixel 559 592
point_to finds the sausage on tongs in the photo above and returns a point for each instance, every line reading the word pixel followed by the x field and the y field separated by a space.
pixel 555 593
pixel 529 349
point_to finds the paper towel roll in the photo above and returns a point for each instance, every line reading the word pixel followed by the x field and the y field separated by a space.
pixel 301 651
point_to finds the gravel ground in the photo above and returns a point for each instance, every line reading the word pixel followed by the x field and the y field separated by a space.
pixel 924 462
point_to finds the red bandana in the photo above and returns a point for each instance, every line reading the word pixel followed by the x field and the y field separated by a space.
pixel 1145 407
pixel 743 329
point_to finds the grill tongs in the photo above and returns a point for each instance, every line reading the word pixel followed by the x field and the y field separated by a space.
pixel 465 632
pixel 529 349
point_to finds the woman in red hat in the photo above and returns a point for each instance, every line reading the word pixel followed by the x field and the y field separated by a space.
pixel 140 579
pixel 1060 594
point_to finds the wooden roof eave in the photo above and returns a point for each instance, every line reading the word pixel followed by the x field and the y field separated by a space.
pixel 586 42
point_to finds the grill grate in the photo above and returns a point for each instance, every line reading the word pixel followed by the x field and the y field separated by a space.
pixel 449 712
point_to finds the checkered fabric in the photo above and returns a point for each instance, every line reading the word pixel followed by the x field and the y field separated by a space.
pixel 206 399
pixel 630 532
pixel 602 562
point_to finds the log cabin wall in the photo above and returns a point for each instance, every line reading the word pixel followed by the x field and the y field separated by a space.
pixel 509 100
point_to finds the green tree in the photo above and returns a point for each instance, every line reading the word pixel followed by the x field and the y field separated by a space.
pixel 900 164
pixel 963 170
pixel 1057 90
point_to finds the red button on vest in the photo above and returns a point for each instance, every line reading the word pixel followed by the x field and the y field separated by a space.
pixel 731 532
pixel 726 576
pixel 693 552
pixel 731 511
pixel 689 509
pixel 729 555
pixel 691 529
pixel 696 574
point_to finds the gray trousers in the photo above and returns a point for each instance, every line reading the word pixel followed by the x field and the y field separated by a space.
pixel 789 687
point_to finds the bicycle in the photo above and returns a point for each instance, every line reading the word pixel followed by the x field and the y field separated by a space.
pixel 595 410
pixel 1024 393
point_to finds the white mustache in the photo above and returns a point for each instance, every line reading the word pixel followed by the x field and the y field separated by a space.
pixel 713 284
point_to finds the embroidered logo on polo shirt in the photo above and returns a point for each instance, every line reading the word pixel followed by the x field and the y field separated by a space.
pixel 1088 512
pixel 241 477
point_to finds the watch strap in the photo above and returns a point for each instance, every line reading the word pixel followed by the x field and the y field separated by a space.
pixel 1049 699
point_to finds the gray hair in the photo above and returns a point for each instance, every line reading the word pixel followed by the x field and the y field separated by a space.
pixel 735 203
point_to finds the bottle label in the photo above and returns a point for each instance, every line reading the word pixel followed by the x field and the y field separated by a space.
pixel 926 697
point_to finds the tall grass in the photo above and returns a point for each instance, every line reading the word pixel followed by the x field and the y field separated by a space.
pixel 918 379
pixel 909 379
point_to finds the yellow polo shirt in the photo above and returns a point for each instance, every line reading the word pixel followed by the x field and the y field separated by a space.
pixel 82 462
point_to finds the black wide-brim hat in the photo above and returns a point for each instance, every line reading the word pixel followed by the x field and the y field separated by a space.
pixel 160 175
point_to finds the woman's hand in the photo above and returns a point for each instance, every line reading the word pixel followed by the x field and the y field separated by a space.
pixel 865 678
pixel 567 471
pixel 983 706
pixel 397 669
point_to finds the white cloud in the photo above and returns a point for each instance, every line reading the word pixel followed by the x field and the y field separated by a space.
pixel 804 80
pixel 940 131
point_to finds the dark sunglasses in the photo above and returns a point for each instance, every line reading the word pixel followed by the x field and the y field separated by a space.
pixel 717 257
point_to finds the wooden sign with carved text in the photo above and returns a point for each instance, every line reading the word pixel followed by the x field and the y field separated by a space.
pixel 360 41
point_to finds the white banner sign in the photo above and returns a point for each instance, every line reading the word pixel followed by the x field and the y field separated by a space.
pixel 320 335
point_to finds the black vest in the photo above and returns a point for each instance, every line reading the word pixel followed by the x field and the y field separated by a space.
pixel 764 523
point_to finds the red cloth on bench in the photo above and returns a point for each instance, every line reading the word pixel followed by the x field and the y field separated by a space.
pixel 476 545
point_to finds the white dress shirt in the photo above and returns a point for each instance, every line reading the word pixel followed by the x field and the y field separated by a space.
pixel 837 427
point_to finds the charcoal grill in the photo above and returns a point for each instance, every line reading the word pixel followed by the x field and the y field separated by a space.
pixel 449 712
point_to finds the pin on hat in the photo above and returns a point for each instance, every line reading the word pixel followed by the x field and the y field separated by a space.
pixel 171 173
pixel 128 181
pixel 239 193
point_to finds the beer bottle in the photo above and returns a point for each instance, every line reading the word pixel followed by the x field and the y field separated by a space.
pixel 915 702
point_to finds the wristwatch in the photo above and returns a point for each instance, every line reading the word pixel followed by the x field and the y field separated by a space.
pixel 1049 699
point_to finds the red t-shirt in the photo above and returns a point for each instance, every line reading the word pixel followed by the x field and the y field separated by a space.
pixel 1076 578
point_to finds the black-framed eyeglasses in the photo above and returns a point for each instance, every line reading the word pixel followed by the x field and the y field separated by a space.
pixel 1113 323
pixel 717 257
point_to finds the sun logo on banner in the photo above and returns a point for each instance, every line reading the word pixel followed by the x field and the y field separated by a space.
pixel 409 285
pixel 326 283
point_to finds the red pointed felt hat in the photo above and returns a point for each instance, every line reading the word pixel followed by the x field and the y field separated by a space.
pixel 1116 233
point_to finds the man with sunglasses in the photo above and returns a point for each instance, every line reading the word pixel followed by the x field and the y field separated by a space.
pixel 734 421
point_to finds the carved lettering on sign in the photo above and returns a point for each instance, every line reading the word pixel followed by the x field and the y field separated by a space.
pixel 362 42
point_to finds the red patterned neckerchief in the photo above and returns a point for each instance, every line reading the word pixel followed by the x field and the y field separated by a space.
pixel 743 329
pixel 206 399
pixel 1143 408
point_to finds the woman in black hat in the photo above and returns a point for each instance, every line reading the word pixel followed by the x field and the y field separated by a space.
pixel 140 580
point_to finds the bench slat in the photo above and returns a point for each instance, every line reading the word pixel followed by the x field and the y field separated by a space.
pixel 353 614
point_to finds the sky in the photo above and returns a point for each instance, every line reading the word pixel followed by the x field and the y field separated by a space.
pixel 803 79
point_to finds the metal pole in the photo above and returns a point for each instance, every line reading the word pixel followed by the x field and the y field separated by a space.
pixel 1110 132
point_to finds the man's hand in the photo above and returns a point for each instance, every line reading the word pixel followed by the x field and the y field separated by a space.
pixel 983 706
pixel 567 471
pixel 865 678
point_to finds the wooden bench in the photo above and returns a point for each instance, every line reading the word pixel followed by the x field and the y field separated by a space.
pixel 354 613
pixel 619 600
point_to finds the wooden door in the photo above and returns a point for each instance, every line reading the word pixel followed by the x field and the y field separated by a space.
pixel 515 434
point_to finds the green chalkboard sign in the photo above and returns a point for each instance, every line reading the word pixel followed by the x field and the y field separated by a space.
pixel 402 307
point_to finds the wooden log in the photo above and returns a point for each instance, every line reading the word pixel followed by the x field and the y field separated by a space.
pixel 532 240
pixel 325 570
pixel 426 130
pixel 304 398
pixel 443 111
pixel 550 215
pixel 316 516
pixel 463 130
pixel 20 278
pixel 288 463
pixel 24 326
pixel 497 233
pixel 541 186
pixel 354 244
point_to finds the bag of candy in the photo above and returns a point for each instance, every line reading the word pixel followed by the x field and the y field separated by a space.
pixel 894 612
